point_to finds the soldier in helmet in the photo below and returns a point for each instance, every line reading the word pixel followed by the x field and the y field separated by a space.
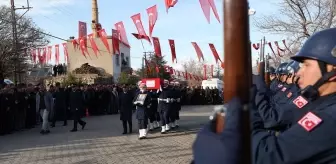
pixel 310 139
pixel 164 105
pixel 176 105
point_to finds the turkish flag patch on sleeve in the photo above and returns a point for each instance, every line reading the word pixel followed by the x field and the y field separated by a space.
pixel 283 89
pixel 310 121
pixel 300 102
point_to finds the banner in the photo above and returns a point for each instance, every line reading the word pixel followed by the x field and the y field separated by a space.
pixel 115 41
pixel 65 50
pixel 157 47
pixel 214 9
pixel 170 3
pixel 82 46
pixel 205 72
pixel 49 54
pixel 82 29
pixel 93 44
pixel 121 29
pixel 206 9
pixel 138 24
pixel 214 52
pixel 198 51
pixel 103 38
pixel 33 55
pixel 152 17
pixel 172 49
pixel 57 54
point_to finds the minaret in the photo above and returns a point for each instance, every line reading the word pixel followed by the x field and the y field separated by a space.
pixel 95 21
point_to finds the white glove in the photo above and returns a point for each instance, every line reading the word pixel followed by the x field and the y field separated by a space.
pixel 178 100
pixel 168 100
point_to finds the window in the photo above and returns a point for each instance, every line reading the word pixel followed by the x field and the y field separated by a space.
pixel 117 59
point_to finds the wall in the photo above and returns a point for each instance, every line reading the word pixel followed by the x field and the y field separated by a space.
pixel 103 60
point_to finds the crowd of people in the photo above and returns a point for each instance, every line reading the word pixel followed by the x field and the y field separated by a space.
pixel 59 69
pixel 21 106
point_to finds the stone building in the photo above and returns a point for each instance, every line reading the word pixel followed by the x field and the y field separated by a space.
pixel 112 63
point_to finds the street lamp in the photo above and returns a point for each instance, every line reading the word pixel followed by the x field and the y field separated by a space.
pixel 251 11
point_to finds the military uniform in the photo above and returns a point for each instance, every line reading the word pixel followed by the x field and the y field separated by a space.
pixel 142 103
pixel 164 106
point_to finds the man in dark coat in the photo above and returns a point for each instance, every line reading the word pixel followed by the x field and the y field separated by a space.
pixel 126 109
pixel 77 107
pixel 60 105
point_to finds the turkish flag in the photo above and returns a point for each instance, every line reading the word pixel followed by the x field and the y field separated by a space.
pixel 122 32
pixel 82 29
pixel 214 52
pixel 152 17
pixel 140 36
pixel 82 46
pixel 65 51
pixel 115 41
pixel 206 9
pixel 157 46
pixel 103 37
pixel 33 55
pixel 138 24
pixel 214 9
pixel 170 3
pixel 44 55
pixel 49 54
pixel 57 54
pixel 93 44
pixel 172 49
pixel 205 72
pixel 198 51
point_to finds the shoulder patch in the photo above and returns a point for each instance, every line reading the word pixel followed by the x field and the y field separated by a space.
pixel 300 102
pixel 309 121
pixel 283 89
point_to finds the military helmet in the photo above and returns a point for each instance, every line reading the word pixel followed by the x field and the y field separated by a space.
pixel 282 67
pixel 292 67
pixel 271 70
pixel 321 46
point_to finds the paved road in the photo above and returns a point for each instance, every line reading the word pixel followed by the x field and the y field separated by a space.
pixel 101 142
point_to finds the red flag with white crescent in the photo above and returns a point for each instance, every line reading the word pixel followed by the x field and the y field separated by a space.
pixel 122 32
pixel 57 54
pixel 138 24
pixel 152 17
pixel 170 3
pixel 49 54
pixel 140 36
pixel 157 47
pixel 214 9
pixel 214 52
pixel 65 51
pixel 93 44
pixel 198 51
pixel 82 29
pixel 115 41
pixel 103 37
pixel 82 46
pixel 206 9
pixel 172 49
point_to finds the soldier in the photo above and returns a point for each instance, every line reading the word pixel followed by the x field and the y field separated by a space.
pixel 152 113
pixel 143 104
pixel 176 105
pixel 164 101
pixel 311 138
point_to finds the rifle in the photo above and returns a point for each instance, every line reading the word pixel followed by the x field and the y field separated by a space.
pixel 238 67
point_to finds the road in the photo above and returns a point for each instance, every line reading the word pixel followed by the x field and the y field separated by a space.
pixel 101 142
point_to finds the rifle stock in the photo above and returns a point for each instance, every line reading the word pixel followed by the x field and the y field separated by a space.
pixel 238 71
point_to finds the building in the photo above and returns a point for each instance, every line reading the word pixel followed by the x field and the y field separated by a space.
pixel 112 64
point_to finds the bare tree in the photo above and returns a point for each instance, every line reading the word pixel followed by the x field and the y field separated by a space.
pixel 28 36
pixel 299 19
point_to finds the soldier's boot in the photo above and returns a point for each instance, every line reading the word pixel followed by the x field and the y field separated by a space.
pixel 172 125
pixel 150 126
pixel 157 124
pixel 154 125
pixel 145 133
pixel 163 130
pixel 167 127
pixel 140 134
pixel 176 123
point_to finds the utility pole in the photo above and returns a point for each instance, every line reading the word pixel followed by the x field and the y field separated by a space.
pixel 16 58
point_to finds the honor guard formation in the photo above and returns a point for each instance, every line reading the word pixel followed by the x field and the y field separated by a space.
pixel 292 121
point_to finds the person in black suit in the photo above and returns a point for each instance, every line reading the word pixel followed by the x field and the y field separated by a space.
pixel 126 109
pixel 77 107
pixel 59 105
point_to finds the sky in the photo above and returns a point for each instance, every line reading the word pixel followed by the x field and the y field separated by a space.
pixel 185 23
